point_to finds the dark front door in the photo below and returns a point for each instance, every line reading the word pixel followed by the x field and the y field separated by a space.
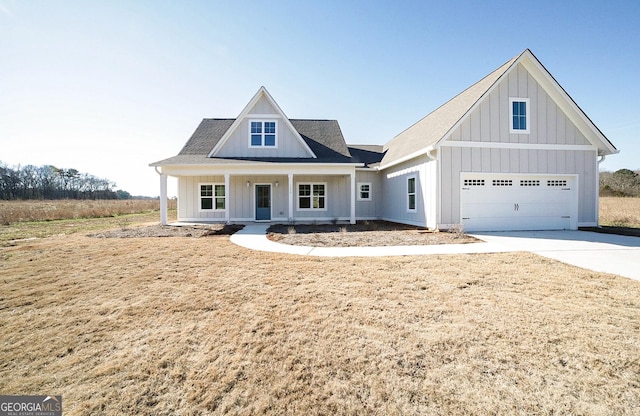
pixel 263 202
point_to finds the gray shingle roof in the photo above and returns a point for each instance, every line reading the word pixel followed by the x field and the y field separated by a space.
pixel 323 137
pixel 367 154
pixel 436 124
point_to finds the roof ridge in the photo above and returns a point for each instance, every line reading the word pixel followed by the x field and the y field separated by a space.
pixel 510 62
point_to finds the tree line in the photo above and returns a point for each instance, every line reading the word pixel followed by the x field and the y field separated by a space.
pixel 50 182
pixel 623 182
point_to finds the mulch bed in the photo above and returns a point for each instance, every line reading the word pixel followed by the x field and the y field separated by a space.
pixel 633 232
pixel 362 234
pixel 158 230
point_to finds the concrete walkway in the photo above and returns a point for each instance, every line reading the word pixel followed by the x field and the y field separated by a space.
pixel 253 236
pixel 599 252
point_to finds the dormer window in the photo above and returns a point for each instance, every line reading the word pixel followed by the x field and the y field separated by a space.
pixel 519 115
pixel 262 133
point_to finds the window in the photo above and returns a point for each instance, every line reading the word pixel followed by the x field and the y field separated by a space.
pixel 529 182
pixel 411 194
pixel 262 134
pixel 502 182
pixel 212 197
pixel 364 192
pixel 474 182
pixel 312 196
pixel 556 182
pixel 519 115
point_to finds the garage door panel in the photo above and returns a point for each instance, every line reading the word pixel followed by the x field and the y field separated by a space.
pixel 503 202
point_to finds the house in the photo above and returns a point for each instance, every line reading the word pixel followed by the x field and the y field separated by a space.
pixel 511 152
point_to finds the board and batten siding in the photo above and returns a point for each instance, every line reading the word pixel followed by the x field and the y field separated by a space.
pixel 489 123
pixel 337 202
pixel 189 198
pixel 368 210
pixel 394 188
pixel 288 145
pixel 241 197
pixel 455 160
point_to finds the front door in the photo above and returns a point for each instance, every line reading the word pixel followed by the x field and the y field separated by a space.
pixel 263 202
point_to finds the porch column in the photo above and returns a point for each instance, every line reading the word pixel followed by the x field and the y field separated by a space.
pixel 353 197
pixel 163 198
pixel 290 197
pixel 227 208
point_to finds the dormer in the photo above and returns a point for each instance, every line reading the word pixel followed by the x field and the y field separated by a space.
pixel 262 130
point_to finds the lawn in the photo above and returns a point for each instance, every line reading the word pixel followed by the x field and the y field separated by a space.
pixel 195 326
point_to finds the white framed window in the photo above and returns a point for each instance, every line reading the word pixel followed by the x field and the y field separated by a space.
pixel 411 194
pixel 519 115
pixel 263 133
pixel 312 196
pixel 212 197
pixel 364 191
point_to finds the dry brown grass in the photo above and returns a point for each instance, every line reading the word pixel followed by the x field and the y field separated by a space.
pixel 620 212
pixel 191 326
pixel 12 212
pixel 362 234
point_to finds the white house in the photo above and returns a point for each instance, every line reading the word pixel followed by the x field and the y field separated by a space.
pixel 511 152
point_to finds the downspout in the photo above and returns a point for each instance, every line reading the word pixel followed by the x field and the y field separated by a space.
pixel 430 150
pixel 603 157
pixel 431 154
pixel 600 160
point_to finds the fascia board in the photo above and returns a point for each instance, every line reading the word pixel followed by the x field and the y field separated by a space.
pixel 482 98
pixel 245 113
pixel 566 103
pixel 315 169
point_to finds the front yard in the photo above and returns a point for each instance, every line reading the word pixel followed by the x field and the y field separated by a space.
pixel 192 326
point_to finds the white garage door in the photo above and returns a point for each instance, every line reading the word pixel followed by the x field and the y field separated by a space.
pixel 508 202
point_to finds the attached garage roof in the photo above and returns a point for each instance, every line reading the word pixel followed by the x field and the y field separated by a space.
pixel 432 129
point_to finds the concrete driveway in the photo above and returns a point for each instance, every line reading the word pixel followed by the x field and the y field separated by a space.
pixel 595 251
pixel 606 253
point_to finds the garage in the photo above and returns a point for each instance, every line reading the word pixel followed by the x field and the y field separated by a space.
pixel 514 202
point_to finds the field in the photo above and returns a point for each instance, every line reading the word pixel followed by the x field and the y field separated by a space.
pixel 620 212
pixel 194 326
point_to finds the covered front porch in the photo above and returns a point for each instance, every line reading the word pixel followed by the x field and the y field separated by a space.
pixel 241 196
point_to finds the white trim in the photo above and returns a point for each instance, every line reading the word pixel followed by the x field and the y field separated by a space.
pixel 587 224
pixel 415 193
pixel 245 114
pixel 325 196
pixel 359 191
pixel 255 201
pixel 213 196
pixel 574 206
pixel 227 211
pixel 527 115
pixel 567 105
pixel 403 221
pixel 263 116
pixel 260 168
pixel 262 134
pixel 521 146
pixel 408 157
pixel 197 220
pixel 163 198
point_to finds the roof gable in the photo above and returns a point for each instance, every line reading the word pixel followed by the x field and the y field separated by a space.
pixel 428 132
pixel 324 137
pixel 260 106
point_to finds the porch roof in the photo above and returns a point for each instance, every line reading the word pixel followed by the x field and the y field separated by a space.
pixel 324 137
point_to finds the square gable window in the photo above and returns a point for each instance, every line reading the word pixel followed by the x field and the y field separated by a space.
pixel 519 118
pixel 262 133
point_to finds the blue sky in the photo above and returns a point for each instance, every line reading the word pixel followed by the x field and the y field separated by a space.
pixel 107 87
